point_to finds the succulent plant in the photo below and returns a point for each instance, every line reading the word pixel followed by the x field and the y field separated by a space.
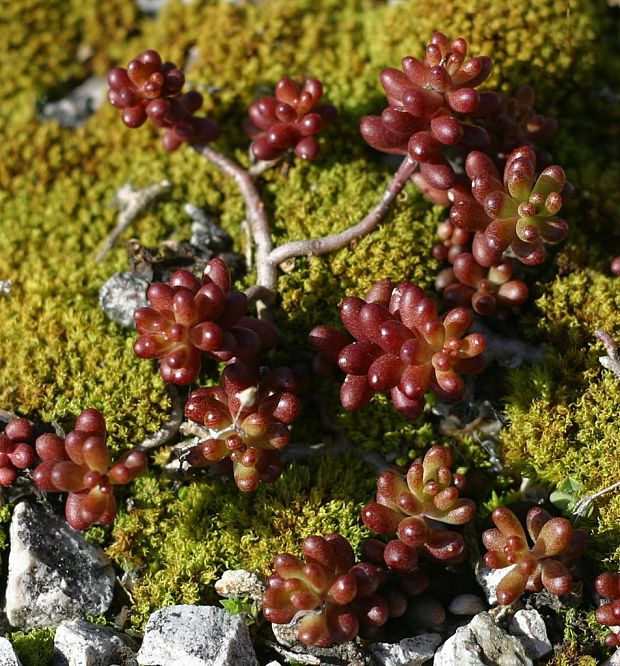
pixel 246 420
pixel 80 465
pixel 291 119
pixel 515 123
pixel 401 345
pixel 544 564
pixel 405 506
pixel 189 316
pixel 490 292
pixel 608 587
pixel 518 213
pixel 16 451
pixel 338 599
pixel 452 241
pixel 427 102
pixel 150 88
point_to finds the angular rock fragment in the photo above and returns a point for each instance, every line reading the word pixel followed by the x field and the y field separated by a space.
pixel 479 643
pixel 54 573
pixel 240 583
pixel 121 295
pixel 7 654
pixel 196 636
pixel 81 643
pixel 529 627
pixel 413 651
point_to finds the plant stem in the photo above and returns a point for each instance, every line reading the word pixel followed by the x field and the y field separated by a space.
pixel 269 258
pixel 318 246
pixel 257 217
pixel 131 203
pixel 612 360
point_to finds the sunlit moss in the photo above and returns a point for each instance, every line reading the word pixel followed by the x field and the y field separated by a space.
pixel 564 414
pixel 35 647
pixel 180 538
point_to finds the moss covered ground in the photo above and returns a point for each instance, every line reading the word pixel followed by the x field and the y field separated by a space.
pixel 59 354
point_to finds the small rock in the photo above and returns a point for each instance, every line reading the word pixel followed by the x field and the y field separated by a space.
pixel 81 643
pixel 240 583
pixel 153 7
pixel 7 654
pixel 206 234
pixel 466 604
pixel 73 110
pixel 344 654
pixel 54 573
pixel 5 287
pixel 121 296
pixel 529 627
pixel 489 579
pixel 480 643
pixel 196 636
pixel 532 491
pixel 413 651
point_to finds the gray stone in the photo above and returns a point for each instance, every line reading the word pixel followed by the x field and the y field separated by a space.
pixel 206 234
pixel 240 583
pixel 529 627
pixel 154 6
pixel 196 636
pixel 288 645
pixel 413 651
pixel 81 643
pixel 73 110
pixel 121 295
pixel 7 654
pixel 54 573
pixel 466 604
pixel 489 579
pixel 480 643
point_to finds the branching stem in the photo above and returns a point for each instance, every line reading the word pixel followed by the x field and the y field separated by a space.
pixel 326 244
pixel 269 258
pixel 257 217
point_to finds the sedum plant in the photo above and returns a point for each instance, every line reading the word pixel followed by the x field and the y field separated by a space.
pixel 79 464
pixel 607 586
pixel 335 599
pixel 189 316
pixel 246 422
pixel 516 212
pixel 16 450
pixel 291 119
pixel 150 89
pixel 544 564
pixel 411 507
pixel 401 345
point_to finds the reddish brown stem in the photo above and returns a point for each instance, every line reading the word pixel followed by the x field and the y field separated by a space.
pixel 257 217
pixel 269 258
pixel 318 246
pixel 612 360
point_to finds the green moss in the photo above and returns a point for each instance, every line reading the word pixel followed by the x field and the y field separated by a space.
pixel 564 414
pixel 583 639
pixel 181 538
pixel 541 43
pixel 40 40
pixel 35 647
